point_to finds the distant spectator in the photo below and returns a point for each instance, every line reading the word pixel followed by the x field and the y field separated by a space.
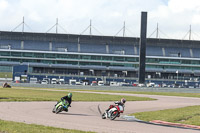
pixel 179 54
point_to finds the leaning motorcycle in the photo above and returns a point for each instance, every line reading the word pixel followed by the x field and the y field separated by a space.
pixel 61 106
pixel 113 112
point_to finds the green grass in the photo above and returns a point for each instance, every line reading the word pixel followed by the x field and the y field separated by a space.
pixel 16 94
pixel 2 74
pixel 197 95
pixel 180 94
pixel 17 127
pixel 187 115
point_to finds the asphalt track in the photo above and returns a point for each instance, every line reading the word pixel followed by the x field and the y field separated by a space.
pixel 85 115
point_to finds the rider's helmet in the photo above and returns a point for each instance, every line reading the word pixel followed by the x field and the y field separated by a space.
pixel 69 95
pixel 123 100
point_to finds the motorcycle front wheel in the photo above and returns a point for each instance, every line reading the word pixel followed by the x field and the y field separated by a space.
pixel 54 109
pixel 113 115
pixel 104 116
pixel 59 109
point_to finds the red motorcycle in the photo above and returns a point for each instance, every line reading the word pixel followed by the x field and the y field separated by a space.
pixel 113 111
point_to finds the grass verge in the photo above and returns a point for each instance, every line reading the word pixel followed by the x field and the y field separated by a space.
pixel 187 115
pixel 14 94
pixel 18 127
pixel 180 94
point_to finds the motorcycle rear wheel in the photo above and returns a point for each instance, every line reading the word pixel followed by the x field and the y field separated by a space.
pixel 113 115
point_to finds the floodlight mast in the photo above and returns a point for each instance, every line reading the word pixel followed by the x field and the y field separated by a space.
pixel 21 24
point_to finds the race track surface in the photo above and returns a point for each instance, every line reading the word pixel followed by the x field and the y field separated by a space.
pixel 85 115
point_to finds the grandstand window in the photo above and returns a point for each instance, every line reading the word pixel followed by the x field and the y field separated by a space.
pixel 128 65
pixel 135 65
pixel 85 57
pixel 26 60
pixel 107 58
pixel 61 62
pixel 152 60
pixel 194 62
pixel 50 55
pixel 16 60
pixel 154 66
pixel 5 69
pixel 95 63
pixel 73 56
pixel 4 53
pixel 174 67
pixel 129 59
pixel 106 64
pixel 198 68
pixel 118 58
pixel 48 62
pixel 162 61
pixel 186 61
pixel 62 56
pixel 39 55
pixel 72 62
pixel 150 66
pixel 95 57
pixel 16 54
pixel 174 61
pixel 83 63
pixel 28 54
pixel 4 59
pixel 117 64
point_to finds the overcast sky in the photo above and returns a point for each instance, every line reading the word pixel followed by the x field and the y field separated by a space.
pixel 174 17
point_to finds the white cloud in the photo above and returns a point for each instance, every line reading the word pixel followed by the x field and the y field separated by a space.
pixel 3 5
pixel 173 16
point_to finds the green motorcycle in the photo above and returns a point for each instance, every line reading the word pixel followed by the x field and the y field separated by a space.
pixel 61 106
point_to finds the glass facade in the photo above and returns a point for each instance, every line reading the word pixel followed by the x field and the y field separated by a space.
pixel 5 68
pixel 115 63
pixel 98 60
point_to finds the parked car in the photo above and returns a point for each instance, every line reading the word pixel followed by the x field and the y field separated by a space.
pixel 94 83
pixel 164 85
pixel 141 85
pixel 151 84
pixel 44 82
pixel 53 81
pixel 100 83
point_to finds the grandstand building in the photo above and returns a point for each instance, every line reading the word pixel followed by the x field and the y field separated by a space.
pixel 88 55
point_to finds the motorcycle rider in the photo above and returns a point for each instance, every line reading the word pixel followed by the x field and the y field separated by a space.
pixel 67 98
pixel 121 102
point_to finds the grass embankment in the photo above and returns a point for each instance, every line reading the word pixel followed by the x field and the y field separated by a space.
pixel 180 94
pixel 17 127
pixel 14 94
pixel 187 115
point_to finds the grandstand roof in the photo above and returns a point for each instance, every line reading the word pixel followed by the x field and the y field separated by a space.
pixel 100 39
